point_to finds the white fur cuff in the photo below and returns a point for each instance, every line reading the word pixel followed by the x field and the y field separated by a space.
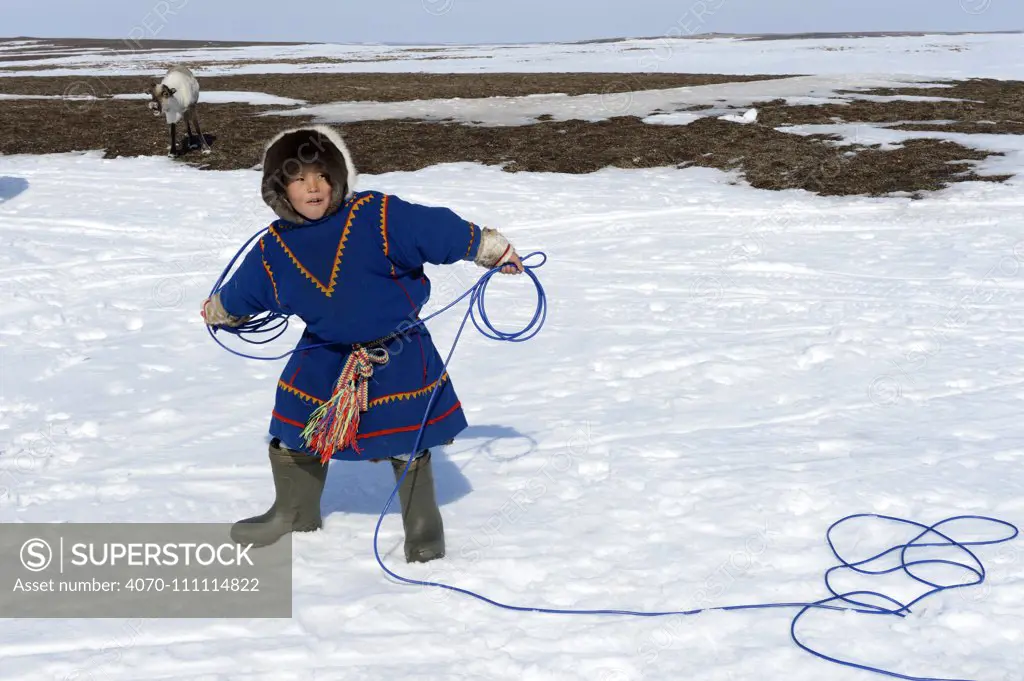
pixel 495 249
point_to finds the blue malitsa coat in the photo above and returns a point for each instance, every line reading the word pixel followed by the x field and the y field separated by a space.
pixel 356 276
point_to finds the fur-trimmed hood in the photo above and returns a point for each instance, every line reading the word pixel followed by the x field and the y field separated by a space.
pixel 289 150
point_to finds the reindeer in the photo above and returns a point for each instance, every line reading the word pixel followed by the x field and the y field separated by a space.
pixel 176 97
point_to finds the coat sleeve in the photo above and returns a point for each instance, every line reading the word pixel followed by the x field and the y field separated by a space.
pixel 250 290
pixel 416 234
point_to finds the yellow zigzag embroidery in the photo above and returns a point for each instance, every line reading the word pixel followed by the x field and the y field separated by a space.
pixel 270 274
pixel 298 393
pixel 387 399
pixel 329 288
pixel 471 239
pixel 384 227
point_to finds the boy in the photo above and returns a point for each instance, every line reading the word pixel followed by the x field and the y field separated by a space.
pixel 350 265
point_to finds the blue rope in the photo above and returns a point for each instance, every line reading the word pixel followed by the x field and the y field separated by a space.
pixel 270 322
pixel 257 329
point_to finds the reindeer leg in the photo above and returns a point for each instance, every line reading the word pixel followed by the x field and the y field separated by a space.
pixel 202 138
pixel 174 146
pixel 188 126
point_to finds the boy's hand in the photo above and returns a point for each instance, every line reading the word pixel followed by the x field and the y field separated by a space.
pixel 513 265
pixel 214 314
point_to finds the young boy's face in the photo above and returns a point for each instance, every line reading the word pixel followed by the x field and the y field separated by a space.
pixel 310 192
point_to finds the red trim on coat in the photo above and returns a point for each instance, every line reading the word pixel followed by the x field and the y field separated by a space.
pixel 423 357
pixel 412 305
pixel 291 422
pixel 405 429
pixel 423 353
pixel 297 370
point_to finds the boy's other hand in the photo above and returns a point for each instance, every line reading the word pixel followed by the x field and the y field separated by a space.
pixel 214 314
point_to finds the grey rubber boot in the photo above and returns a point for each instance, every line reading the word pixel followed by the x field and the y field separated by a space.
pixel 421 518
pixel 299 483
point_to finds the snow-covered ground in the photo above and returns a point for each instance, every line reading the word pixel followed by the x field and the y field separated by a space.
pixel 227 96
pixel 8 97
pixel 724 372
pixel 953 56
pixel 600 106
